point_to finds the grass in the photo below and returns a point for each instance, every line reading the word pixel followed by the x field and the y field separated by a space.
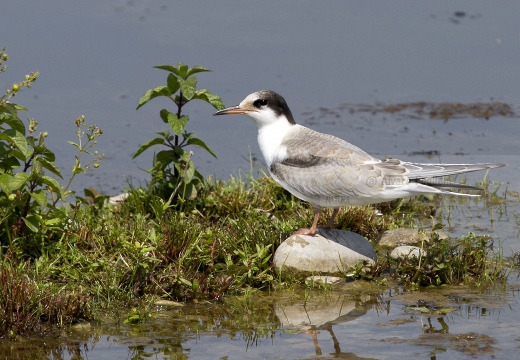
pixel 219 242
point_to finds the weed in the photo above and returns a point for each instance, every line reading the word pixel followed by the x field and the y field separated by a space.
pixel 170 164
pixel 32 305
pixel 28 194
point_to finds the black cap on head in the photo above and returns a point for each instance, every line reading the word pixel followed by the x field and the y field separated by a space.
pixel 274 101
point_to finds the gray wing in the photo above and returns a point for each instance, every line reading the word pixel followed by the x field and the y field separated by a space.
pixel 324 166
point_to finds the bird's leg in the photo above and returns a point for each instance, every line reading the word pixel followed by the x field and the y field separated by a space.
pixel 314 228
pixel 331 221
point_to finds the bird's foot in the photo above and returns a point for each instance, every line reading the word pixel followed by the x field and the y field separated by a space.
pixel 305 231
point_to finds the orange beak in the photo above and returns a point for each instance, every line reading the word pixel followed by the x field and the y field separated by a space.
pixel 231 111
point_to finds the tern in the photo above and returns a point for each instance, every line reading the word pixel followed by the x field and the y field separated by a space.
pixel 329 172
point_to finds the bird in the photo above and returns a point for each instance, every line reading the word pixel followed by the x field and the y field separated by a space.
pixel 329 172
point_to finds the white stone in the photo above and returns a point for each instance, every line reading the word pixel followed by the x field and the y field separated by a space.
pixel 113 200
pixel 405 251
pixel 331 252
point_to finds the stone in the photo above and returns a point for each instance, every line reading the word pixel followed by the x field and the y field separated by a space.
pixel 168 303
pixel 113 200
pixel 323 280
pixel 406 251
pixel 329 252
pixel 397 237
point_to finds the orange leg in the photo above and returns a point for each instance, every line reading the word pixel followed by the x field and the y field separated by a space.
pixel 314 228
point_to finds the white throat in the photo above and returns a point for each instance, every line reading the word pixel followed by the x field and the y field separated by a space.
pixel 270 137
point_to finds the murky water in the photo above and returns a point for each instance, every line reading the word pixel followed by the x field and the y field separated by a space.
pixel 96 58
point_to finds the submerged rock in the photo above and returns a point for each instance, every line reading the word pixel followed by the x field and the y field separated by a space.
pixel 331 252
pixel 406 251
pixel 397 237
pixel 323 280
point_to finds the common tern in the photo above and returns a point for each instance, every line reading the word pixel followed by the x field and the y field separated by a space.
pixel 329 172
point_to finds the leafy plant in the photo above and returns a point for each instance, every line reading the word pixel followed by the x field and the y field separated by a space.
pixel 173 170
pixel 468 259
pixel 28 195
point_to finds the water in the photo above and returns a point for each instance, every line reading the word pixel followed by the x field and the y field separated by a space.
pixel 96 58
pixel 353 321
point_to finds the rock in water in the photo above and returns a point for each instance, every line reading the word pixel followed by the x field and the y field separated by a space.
pixel 331 252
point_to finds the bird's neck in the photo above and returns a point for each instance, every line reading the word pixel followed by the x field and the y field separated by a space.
pixel 270 136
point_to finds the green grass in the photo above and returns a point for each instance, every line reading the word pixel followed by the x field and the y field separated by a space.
pixel 219 242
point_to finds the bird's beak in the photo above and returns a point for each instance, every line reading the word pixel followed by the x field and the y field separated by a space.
pixel 231 111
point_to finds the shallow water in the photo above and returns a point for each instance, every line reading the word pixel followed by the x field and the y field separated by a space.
pixel 96 58
pixel 352 320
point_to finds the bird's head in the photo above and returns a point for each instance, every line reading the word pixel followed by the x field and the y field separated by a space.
pixel 264 107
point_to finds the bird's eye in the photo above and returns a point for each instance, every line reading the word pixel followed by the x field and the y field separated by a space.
pixel 259 103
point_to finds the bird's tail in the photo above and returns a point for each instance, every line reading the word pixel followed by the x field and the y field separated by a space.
pixel 427 171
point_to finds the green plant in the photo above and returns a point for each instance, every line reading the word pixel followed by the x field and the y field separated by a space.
pixel 28 194
pixel 173 170
pixel 469 259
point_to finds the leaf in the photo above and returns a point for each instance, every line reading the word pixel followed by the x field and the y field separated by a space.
pixel 18 139
pixel 20 108
pixel 185 282
pixel 50 166
pixel 146 145
pixel 9 108
pixel 46 153
pixel 153 93
pixel 9 164
pixel 77 169
pixel 101 199
pixel 165 157
pixel 196 69
pixel 40 197
pixel 89 193
pixel 74 144
pixel 188 87
pixel 177 125
pixel 5 180
pixel 169 68
pixel 13 121
pixel 209 97
pixel 183 70
pixel 202 144
pixel 165 134
pixel 17 181
pixel 54 221
pixel 164 116
pixel 54 185
pixel 32 223
pixel 173 83
pixel 189 171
